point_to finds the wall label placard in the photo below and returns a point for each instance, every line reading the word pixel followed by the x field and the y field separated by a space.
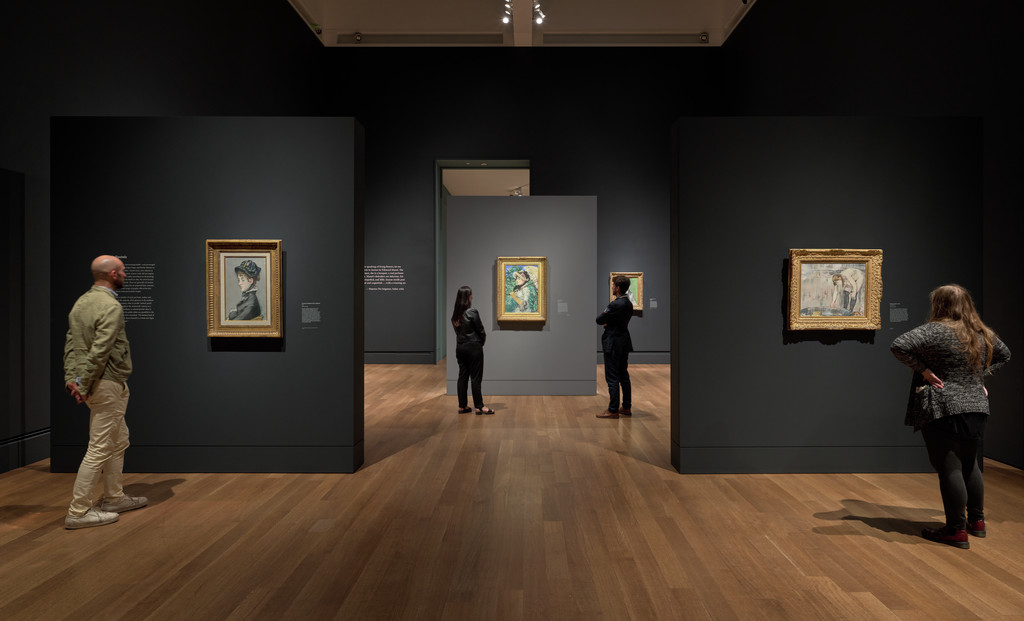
pixel 310 315
pixel 898 313
pixel 136 296
pixel 384 277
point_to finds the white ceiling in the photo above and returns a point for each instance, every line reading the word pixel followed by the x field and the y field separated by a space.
pixel 459 23
pixel 486 181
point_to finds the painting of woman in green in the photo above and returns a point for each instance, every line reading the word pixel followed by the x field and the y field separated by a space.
pixel 521 289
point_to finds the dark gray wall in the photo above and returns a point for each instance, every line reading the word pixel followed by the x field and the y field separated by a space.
pixel 601 131
pixel 1003 293
pixel 799 57
pixel 153 190
pixel 754 397
pixel 62 58
pixel 592 122
pixel 551 358
pixel 22 440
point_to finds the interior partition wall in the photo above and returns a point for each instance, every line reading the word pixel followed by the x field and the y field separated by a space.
pixel 750 396
pixel 554 357
pixel 22 440
pixel 152 191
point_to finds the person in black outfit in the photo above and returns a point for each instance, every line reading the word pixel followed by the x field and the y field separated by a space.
pixel 469 351
pixel 617 344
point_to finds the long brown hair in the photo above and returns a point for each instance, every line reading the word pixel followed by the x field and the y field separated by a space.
pixel 953 306
pixel 461 304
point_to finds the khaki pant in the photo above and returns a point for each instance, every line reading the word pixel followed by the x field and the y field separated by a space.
pixel 108 440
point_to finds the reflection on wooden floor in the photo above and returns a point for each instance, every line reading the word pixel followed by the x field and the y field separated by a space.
pixel 538 512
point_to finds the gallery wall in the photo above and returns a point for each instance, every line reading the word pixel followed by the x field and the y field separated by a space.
pixel 800 57
pixel 18 443
pixel 152 191
pixel 759 397
pixel 592 122
pixel 554 357
pixel 580 139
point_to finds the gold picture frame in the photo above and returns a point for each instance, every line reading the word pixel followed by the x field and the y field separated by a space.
pixel 835 289
pixel 522 288
pixel 243 288
pixel 636 288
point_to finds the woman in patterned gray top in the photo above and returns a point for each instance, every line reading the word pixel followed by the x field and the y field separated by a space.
pixel 950 356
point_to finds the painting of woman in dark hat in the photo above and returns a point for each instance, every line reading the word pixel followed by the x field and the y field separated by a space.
pixel 248 274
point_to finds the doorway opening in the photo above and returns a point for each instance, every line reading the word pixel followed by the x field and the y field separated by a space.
pixel 466 178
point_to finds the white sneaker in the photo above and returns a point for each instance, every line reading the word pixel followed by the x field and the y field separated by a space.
pixel 92 517
pixel 124 503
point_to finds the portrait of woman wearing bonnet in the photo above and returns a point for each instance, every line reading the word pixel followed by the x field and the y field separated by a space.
pixel 248 308
pixel 524 294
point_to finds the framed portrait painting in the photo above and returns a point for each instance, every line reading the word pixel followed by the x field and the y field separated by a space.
pixel 243 287
pixel 522 284
pixel 636 288
pixel 836 289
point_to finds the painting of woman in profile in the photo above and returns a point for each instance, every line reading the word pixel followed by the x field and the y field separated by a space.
pixel 243 288
pixel 522 290
pixel 248 307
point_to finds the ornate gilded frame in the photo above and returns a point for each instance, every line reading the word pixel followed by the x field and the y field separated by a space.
pixel 824 292
pixel 637 289
pixel 507 305
pixel 222 256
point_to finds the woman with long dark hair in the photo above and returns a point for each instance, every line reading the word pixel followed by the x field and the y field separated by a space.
pixel 950 356
pixel 469 351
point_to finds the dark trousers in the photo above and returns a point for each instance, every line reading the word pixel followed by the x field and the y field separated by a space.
pixel 470 357
pixel 955 458
pixel 616 373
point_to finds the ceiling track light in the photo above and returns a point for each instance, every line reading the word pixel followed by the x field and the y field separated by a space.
pixel 507 10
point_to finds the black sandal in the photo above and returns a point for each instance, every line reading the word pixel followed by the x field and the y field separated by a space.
pixel 484 410
pixel 465 410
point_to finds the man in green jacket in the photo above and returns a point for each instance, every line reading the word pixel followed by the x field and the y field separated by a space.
pixel 97 364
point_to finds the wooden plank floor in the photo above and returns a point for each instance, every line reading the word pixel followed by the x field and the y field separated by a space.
pixel 539 512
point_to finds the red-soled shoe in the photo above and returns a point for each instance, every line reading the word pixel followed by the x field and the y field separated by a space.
pixel 976 527
pixel 948 536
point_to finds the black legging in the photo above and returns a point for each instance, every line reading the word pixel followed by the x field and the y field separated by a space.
pixel 470 357
pixel 955 458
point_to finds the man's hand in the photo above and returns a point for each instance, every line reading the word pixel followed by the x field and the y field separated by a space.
pixel 72 388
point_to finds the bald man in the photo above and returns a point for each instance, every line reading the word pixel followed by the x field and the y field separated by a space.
pixel 97 364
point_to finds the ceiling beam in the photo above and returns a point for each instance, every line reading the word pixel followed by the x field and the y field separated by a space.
pixel 522 23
